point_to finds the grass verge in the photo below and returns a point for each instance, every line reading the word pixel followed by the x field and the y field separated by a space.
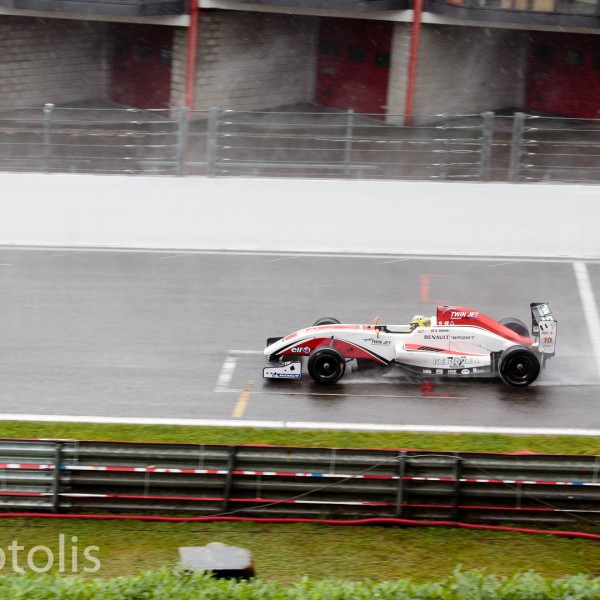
pixel 290 437
pixel 285 553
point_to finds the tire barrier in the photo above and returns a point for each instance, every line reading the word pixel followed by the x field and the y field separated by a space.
pixel 46 476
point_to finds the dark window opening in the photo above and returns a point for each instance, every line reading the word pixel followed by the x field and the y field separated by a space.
pixel 357 53
pixel 544 52
pixel 596 63
pixel 382 59
pixel 165 56
pixel 123 46
pixel 143 51
pixel 572 58
pixel 332 48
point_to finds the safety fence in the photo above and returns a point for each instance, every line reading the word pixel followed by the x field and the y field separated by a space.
pixel 275 482
pixel 332 144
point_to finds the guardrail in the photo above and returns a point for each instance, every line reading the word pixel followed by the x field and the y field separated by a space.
pixel 338 144
pixel 266 481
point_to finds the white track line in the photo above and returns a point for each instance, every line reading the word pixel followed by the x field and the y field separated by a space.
pixel 226 374
pixel 300 425
pixel 274 253
pixel 590 308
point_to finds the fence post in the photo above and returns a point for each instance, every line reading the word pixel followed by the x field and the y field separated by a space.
pixel 229 478
pixel 48 108
pixel 348 145
pixel 211 141
pixel 182 140
pixel 516 149
pixel 400 489
pixel 57 462
pixel 456 491
pixel 487 136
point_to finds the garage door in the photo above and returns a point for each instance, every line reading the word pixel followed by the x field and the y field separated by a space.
pixel 564 75
pixel 354 64
pixel 141 66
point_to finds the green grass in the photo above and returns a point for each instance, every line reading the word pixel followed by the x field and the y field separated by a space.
pixel 290 437
pixel 177 585
pixel 285 553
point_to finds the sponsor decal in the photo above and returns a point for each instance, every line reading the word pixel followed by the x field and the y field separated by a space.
pixel 476 370
pixel 458 314
pixel 434 336
pixel 301 350
pixel 462 337
pixel 451 371
pixel 377 342
pixel 456 361
pixel 276 375
pixel 463 314
pixel 426 370
pixel 465 372
pixel 439 371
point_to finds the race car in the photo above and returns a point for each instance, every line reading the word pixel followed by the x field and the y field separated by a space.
pixel 455 342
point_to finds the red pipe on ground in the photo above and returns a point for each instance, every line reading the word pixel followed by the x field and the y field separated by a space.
pixel 372 521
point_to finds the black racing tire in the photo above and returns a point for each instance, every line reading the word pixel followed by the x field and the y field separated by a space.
pixel 326 365
pixel 515 325
pixel 519 366
pixel 326 321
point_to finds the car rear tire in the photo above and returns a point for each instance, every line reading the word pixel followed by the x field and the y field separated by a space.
pixel 515 325
pixel 326 321
pixel 519 366
pixel 326 365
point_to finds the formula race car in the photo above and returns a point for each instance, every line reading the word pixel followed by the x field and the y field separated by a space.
pixel 456 342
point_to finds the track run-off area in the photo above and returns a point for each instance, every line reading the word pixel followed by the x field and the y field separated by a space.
pixel 177 337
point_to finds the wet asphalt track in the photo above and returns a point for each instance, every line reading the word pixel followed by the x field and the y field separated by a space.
pixel 180 335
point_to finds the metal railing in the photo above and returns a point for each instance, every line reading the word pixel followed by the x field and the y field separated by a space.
pixel 333 144
pixel 550 149
pixel 259 481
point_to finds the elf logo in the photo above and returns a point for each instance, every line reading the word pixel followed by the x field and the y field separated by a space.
pixel 301 350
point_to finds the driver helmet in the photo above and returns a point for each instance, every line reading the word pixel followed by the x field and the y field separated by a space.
pixel 419 321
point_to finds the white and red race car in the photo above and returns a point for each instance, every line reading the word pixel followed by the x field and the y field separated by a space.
pixel 456 342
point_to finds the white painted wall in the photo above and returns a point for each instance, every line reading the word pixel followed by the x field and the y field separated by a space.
pixel 300 215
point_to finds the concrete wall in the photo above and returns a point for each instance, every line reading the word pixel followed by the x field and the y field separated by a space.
pixel 251 61
pixel 51 60
pixel 300 215
pixel 460 69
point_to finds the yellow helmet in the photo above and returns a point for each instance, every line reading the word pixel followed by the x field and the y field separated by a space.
pixel 419 321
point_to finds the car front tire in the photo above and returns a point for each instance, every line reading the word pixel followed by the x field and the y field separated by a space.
pixel 326 365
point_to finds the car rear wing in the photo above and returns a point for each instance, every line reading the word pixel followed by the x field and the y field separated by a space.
pixel 543 327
